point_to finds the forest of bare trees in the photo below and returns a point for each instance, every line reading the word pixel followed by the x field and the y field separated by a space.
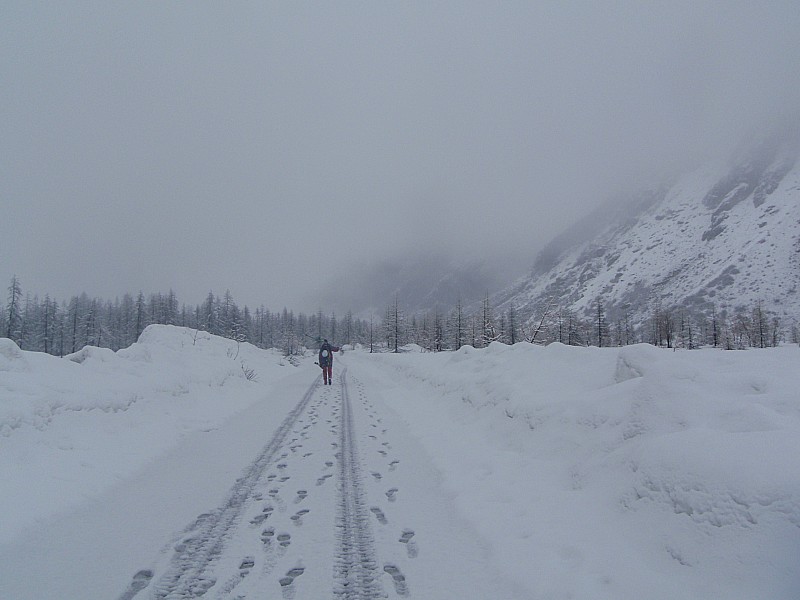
pixel 63 327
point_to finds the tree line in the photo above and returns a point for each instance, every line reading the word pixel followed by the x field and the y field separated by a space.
pixel 62 327
pixel 668 327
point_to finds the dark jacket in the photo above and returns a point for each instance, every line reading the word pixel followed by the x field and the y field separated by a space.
pixel 326 354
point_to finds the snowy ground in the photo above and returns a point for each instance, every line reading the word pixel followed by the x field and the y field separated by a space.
pixel 509 472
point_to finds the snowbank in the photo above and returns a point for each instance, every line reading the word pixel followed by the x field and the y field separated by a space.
pixel 72 427
pixel 618 473
pixel 587 473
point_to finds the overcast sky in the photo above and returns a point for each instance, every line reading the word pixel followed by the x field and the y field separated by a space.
pixel 198 145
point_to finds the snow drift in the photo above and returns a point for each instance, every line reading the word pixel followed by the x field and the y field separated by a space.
pixel 618 473
pixel 72 427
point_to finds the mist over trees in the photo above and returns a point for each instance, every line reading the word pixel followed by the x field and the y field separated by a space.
pixel 60 328
pixel 63 327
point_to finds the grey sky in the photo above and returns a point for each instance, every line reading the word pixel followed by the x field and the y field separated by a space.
pixel 199 145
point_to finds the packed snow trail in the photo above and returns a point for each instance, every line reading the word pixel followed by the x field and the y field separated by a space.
pixel 357 568
pixel 194 556
pixel 336 505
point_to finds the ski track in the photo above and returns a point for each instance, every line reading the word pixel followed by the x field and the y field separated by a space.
pixel 256 541
pixel 357 572
pixel 205 560
pixel 187 576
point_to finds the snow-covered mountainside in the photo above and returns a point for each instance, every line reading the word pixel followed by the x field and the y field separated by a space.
pixel 419 282
pixel 723 237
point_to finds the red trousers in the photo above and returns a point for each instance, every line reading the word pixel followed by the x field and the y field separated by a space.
pixel 327 374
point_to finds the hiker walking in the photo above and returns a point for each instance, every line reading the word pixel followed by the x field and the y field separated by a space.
pixel 326 361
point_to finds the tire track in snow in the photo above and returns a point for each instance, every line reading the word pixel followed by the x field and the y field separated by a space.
pixel 203 542
pixel 356 570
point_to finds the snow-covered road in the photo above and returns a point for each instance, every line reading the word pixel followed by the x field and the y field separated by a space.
pixel 510 472
pixel 338 502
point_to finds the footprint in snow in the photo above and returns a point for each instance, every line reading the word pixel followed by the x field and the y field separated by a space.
pixel 277 500
pixel 297 518
pixel 411 546
pixel 379 515
pixel 267 535
pixel 265 514
pixel 140 581
pixel 291 575
pixel 398 578
pixel 392 494
pixel 259 519
pixel 287 589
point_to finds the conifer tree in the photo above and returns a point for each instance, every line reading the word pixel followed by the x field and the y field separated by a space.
pixel 601 327
pixel 13 311
pixel 761 336
pixel 394 326
pixel 209 314
pixel 458 326
pixel 512 325
pixel 489 332
pixel 47 325
pixel 714 327
pixel 438 331
pixel 141 315
pixel 348 328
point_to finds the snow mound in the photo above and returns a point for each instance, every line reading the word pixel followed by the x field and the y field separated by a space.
pixel 664 474
pixel 72 426
pixel 719 480
pixel 11 357
pixel 92 353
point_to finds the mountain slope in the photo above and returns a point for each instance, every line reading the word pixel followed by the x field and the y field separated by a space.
pixel 422 282
pixel 723 237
